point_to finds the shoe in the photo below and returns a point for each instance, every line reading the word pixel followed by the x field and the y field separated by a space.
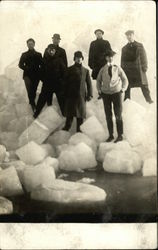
pixel 119 138
pixel 35 115
pixel 110 138
pixel 33 106
pixel 151 101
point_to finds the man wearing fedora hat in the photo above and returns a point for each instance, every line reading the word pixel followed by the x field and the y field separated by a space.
pixel 134 63
pixel 111 83
pixel 60 52
pixel 78 90
pixel 97 51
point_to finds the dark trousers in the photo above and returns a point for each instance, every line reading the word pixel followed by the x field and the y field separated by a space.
pixel 116 101
pixel 145 91
pixel 69 121
pixel 46 96
pixel 31 87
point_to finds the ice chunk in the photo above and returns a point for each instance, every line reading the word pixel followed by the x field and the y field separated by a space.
pixel 79 157
pixel 22 109
pixel 119 161
pixel 2 153
pixel 93 128
pixel 59 137
pixel 150 167
pixel 80 137
pixel 9 140
pixel 49 149
pixel 86 180
pixel 41 174
pixel 6 206
pixel 15 164
pixel 69 192
pixel 48 121
pixel 105 147
pixel 63 147
pixel 31 153
pixel 9 182
pixel 51 162
pixel 134 127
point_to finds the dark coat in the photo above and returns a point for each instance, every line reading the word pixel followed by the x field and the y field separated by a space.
pixel 54 72
pixel 60 52
pixel 134 63
pixel 96 58
pixel 31 63
pixel 77 89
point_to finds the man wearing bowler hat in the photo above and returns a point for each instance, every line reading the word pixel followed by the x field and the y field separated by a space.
pixel 60 52
pixel 97 51
pixel 134 63
pixel 78 90
pixel 111 83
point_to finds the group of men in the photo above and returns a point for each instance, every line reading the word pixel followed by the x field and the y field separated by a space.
pixel 72 85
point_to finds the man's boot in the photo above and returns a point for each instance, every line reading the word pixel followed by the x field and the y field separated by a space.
pixel 110 138
pixel 119 138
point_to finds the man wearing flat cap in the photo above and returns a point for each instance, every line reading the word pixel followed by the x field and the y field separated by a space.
pixel 97 51
pixel 60 52
pixel 78 90
pixel 134 63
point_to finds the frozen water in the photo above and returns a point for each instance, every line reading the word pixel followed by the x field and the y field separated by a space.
pixel 150 167
pixel 62 148
pixel 51 162
pixel 104 147
pixel 6 206
pixel 119 161
pixel 79 157
pixel 9 182
pixel 41 174
pixel 50 149
pixel 86 180
pixel 15 164
pixel 9 140
pixel 59 137
pixel 48 121
pixel 93 128
pixel 2 153
pixel 22 109
pixel 69 192
pixel 80 137
pixel 31 153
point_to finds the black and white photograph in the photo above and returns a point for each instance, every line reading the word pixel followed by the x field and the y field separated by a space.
pixel 78 124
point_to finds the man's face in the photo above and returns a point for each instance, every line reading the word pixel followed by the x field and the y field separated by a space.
pixel 51 52
pixel 99 34
pixel 78 60
pixel 56 41
pixel 109 59
pixel 130 37
pixel 30 45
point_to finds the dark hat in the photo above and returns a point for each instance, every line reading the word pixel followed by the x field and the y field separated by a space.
pixel 110 53
pixel 129 32
pixel 51 46
pixel 78 54
pixel 99 30
pixel 56 36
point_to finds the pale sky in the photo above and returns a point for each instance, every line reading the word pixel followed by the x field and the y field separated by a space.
pixel 75 21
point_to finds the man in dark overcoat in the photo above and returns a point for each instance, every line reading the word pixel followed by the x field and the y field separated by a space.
pixel 60 52
pixel 97 52
pixel 31 63
pixel 78 90
pixel 53 80
pixel 134 63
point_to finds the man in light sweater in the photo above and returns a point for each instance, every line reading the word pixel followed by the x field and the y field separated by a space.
pixel 111 83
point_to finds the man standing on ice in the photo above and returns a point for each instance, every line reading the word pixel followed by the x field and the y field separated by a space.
pixel 97 51
pixel 78 90
pixel 134 63
pixel 60 52
pixel 31 63
pixel 111 83
pixel 53 80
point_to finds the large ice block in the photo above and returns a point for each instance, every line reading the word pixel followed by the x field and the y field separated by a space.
pixel 9 140
pixel 119 161
pixel 9 182
pixel 2 153
pixel 51 162
pixel 80 137
pixel 48 121
pixel 59 137
pixel 150 167
pixel 93 128
pixel 41 174
pixel 6 206
pixel 69 192
pixel 79 157
pixel 49 149
pixel 31 153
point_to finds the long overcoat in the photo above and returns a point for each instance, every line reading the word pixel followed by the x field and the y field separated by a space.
pixel 78 87
pixel 134 63
pixel 60 52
